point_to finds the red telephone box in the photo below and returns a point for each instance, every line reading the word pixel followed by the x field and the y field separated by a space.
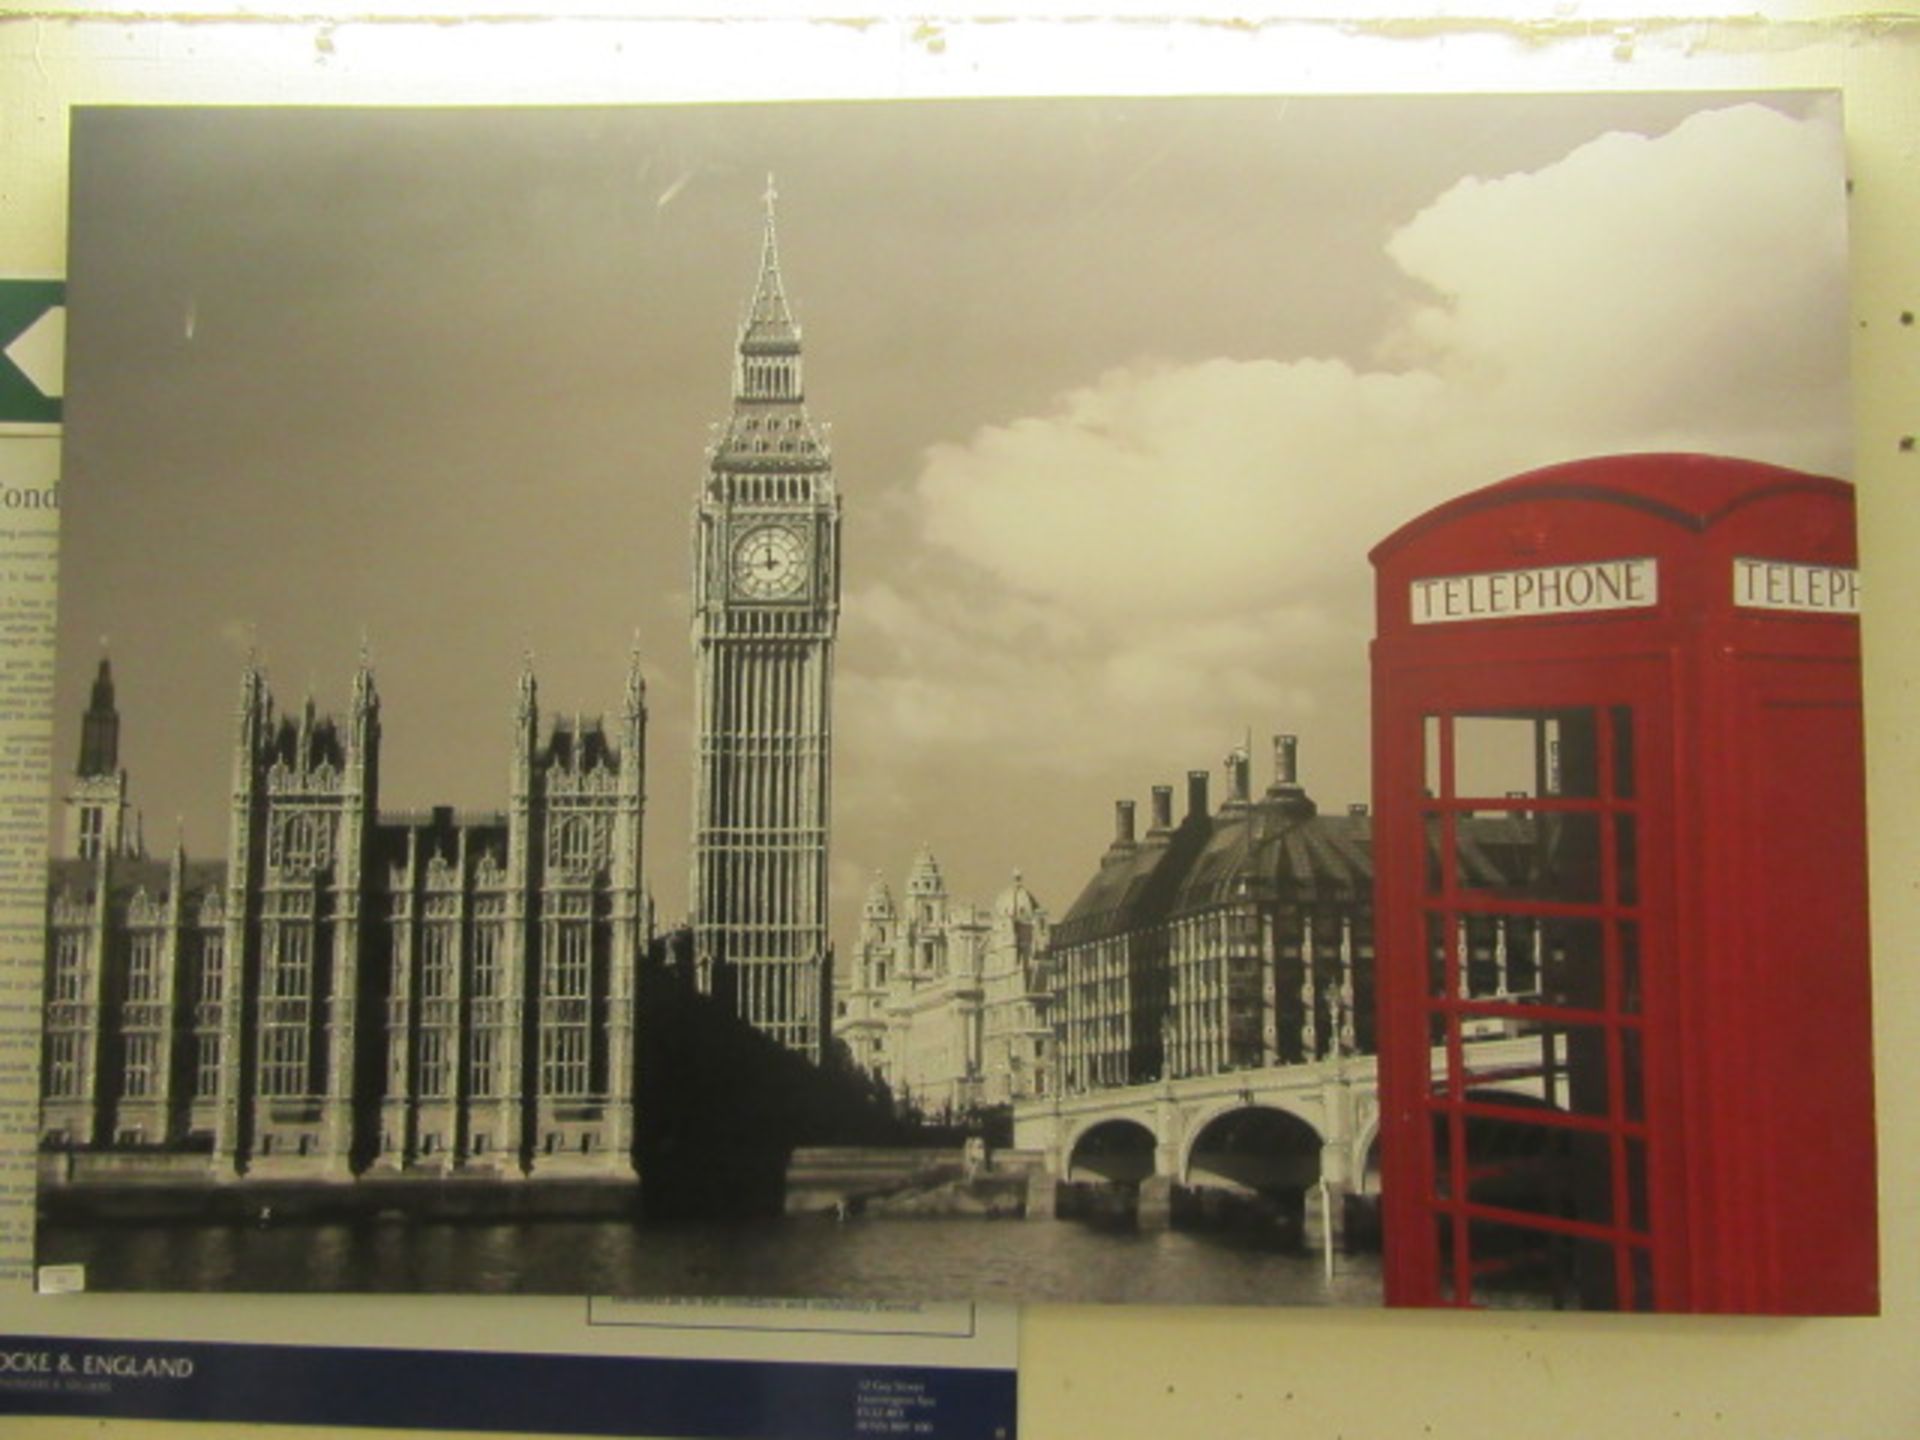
pixel 1620 869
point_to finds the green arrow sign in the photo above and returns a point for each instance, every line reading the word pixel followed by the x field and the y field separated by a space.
pixel 33 332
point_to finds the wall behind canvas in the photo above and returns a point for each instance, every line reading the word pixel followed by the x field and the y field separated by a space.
pixel 1145 1373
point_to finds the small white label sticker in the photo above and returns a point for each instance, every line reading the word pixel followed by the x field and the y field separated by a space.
pixel 61 1279
pixel 1790 585
pixel 1555 590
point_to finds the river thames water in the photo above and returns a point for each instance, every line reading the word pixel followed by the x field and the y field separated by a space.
pixel 900 1259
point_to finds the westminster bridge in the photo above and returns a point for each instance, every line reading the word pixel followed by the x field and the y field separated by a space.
pixel 1310 1129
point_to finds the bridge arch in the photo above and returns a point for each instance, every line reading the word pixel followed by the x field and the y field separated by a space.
pixel 1366 1160
pixel 1259 1147
pixel 1307 1113
pixel 1118 1150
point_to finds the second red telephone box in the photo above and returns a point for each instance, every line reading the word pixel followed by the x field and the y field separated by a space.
pixel 1621 894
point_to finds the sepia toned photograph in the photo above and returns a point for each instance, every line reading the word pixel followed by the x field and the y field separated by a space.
pixel 1215 701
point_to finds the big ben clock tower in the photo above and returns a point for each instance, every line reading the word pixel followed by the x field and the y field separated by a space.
pixel 766 601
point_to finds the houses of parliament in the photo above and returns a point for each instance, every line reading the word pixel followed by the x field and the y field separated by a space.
pixel 363 994
pixel 358 992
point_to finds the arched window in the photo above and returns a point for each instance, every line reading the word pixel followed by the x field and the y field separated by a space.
pixel 66 1064
pixel 69 956
pixel 93 822
pixel 573 843
pixel 435 1071
pixel 486 960
pixel 301 841
pixel 143 966
pixel 483 1061
pixel 206 1065
pixel 436 969
pixel 213 958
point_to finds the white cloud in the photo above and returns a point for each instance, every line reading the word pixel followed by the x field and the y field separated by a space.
pixel 1690 285
pixel 1177 491
pixel 1174 551
pixel 1680 291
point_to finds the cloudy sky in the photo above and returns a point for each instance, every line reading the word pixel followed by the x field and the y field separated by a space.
pixel 1121 395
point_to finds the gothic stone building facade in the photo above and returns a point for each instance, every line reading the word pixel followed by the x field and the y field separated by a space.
pixel 949 1003
pixel 352 991
pixel 766 588
pixel 357 992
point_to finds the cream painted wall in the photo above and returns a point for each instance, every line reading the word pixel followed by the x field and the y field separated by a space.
pixel 1141 1372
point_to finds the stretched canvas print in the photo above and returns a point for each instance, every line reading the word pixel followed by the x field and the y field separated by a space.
pixel 1207 700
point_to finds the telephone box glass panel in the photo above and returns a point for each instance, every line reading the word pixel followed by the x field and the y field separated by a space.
pixel 1533 1007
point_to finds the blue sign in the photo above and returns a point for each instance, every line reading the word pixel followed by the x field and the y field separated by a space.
pixel 466 1390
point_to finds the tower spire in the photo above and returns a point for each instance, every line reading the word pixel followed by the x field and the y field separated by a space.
pixel 769 429
pixel 97 825
pixel 365 697
pixel 636 693
pixel 765 603
pixel 770 326
pixel 100 726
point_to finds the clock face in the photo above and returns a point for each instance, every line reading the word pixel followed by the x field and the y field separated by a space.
pixel 769 563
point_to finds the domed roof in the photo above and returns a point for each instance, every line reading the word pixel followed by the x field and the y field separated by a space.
pixel 1017 902
pixel 879 897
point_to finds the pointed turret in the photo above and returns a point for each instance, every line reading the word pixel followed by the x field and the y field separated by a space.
pixel 252 721
pixel 925 877
pixel 362 751
pixel 529 687
pixel 252 687
pixel 769 428
pixel 366 699
pixel 100 727
pixel 770 328
pixel 526 727
pixel 634 703
pixel 879 904
pixel 98 821
pixel 309 718
pixel 363 721
pixel 633 733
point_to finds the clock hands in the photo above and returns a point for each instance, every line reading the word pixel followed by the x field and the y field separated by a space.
pixel 768 563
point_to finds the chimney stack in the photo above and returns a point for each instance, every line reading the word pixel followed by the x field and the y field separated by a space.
pixel 1239 777
pixel 1285 791
pixel 1162 810
pixel 1286 760
pixel 1123 824
pixel 1196 795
